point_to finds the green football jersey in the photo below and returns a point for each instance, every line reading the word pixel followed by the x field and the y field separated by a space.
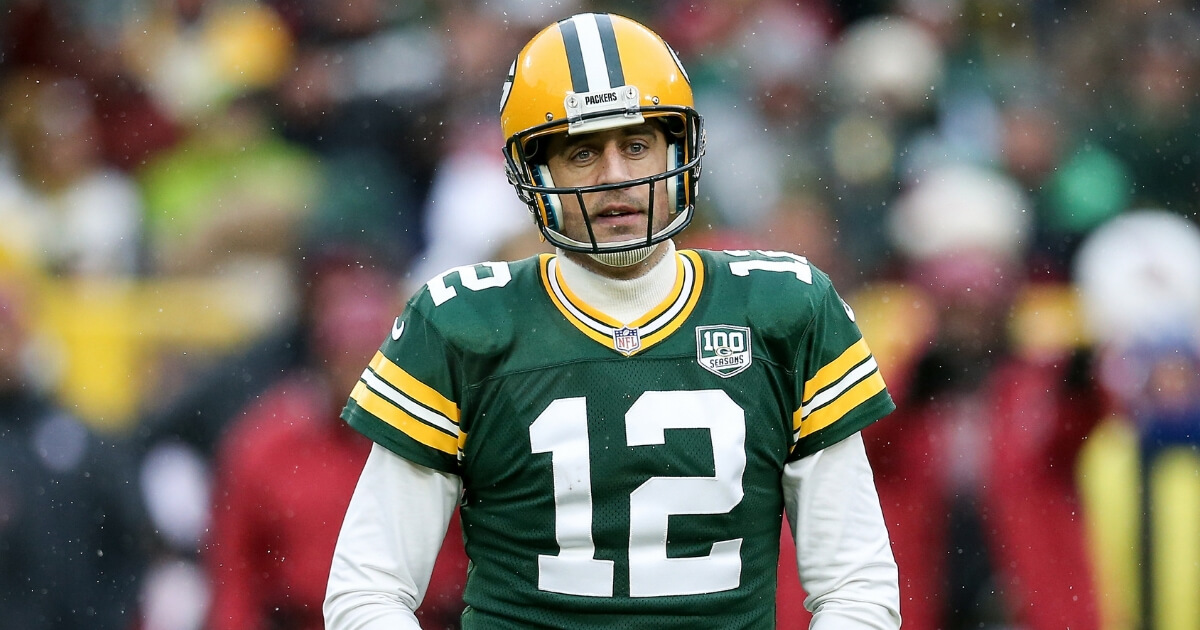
pixel 621 474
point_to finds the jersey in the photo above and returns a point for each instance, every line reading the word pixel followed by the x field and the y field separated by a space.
pixel 621 474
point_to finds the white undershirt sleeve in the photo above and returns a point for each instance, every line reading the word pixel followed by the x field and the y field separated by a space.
pixel 842 546
pixel 389 541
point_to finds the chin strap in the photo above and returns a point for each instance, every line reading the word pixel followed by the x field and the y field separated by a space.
pixel 624 259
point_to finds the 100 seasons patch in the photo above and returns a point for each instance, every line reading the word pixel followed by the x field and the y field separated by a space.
pixel 723 350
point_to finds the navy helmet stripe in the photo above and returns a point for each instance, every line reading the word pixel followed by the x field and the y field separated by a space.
pixel 612 56
pixel 570 35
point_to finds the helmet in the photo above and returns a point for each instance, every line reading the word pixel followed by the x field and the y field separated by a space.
pixel 588 73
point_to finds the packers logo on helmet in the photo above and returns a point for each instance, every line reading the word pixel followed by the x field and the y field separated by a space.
pixel 588 73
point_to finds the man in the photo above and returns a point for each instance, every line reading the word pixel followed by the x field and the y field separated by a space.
pixel 71 524
pixel 624 423
pixel 286 467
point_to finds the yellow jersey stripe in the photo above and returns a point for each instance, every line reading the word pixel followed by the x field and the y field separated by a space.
pixel 693 298
pixel 395 376
pixel 835 391
pixel 410 426
pixel 683 300
pixel 836 369
pixel 596 335
pixel 668 302
pixel 411 407
pixel 580 305
pixel 834 411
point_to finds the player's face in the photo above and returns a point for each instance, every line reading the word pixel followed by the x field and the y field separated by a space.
pixel 607 157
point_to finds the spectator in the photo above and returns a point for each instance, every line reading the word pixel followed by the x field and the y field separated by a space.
pixel 72 212
pixel 232 192
pixel 70 519
pixel 977 470
pixel 1138 277
pixel 286 467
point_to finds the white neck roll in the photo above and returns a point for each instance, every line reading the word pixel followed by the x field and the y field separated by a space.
pixel 623 300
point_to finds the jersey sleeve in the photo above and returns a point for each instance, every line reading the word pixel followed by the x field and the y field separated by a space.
pixel 405 399
pixel 837 379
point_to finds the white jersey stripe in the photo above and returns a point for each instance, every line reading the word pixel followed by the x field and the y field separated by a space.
pixel 655 324
pixel 587 320
pixel 404 402
pixel 689 275
pixel 863 370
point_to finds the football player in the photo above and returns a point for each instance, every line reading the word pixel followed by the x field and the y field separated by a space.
pixel 623 424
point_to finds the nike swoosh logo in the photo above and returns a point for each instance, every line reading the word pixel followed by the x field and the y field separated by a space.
pixel 397 329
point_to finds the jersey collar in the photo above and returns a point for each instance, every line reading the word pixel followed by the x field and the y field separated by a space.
pixel 651 328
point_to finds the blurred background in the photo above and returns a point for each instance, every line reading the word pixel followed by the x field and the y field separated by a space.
pixel 211 210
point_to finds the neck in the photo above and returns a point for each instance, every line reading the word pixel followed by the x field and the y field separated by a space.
pixel 622 296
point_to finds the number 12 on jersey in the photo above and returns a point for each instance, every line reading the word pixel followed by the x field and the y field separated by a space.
pixel 562 431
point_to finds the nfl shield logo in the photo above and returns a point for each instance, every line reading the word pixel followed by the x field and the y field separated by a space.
pixel 626 340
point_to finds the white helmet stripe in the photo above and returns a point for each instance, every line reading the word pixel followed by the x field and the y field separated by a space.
pixel 508 83
pixel 592 53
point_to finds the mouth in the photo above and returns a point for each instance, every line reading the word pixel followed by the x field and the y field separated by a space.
pixel 617 214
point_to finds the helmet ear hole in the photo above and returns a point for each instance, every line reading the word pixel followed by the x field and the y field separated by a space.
pixel 674 126
pixel 535 152
pixel 551 203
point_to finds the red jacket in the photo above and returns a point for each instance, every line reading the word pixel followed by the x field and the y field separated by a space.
pixel 1031 417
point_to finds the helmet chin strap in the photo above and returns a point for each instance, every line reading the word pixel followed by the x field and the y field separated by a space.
pixel 625 258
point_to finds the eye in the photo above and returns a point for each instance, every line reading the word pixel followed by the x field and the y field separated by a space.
pixel 637 147
pixel 581 154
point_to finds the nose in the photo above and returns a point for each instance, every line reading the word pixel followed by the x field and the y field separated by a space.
pixel 613 165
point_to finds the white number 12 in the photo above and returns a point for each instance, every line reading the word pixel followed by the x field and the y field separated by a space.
pixel 562 431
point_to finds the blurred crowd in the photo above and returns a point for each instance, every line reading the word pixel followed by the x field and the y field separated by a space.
pixel 211 210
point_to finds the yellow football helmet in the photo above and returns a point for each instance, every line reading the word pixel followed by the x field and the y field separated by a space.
pixel 588 73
